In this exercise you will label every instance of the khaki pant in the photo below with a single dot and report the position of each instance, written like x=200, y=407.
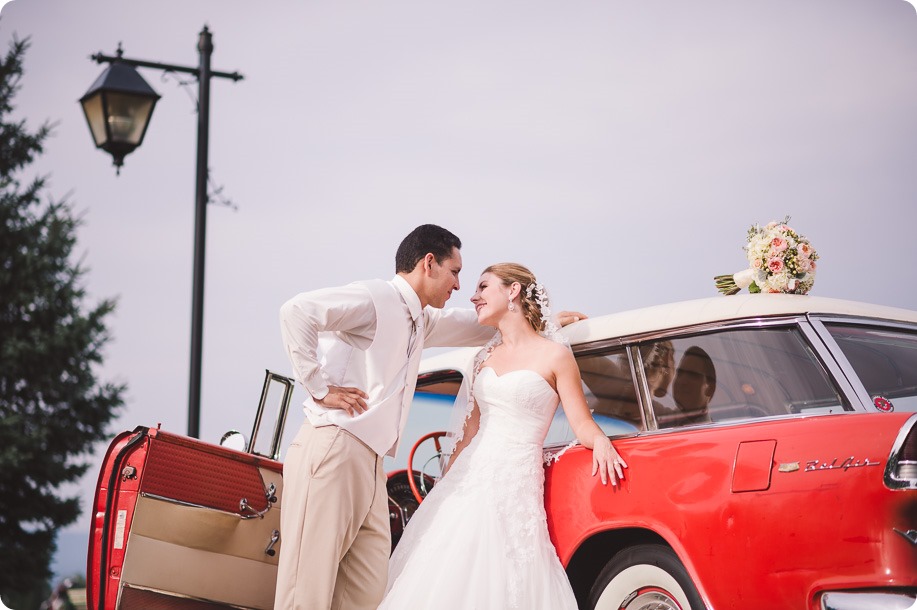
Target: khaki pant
x=334, y=529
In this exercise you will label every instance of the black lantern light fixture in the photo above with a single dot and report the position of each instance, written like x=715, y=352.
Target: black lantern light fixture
x=118, y=107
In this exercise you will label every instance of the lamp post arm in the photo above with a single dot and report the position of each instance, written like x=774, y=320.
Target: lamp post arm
x=141, y=63
x=203, y=74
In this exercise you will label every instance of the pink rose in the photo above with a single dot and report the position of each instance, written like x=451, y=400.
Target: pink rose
x=775, y=265
x=805, y=250
x=778, y=245
x=757, y=264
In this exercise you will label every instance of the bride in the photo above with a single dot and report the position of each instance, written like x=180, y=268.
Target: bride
x=480, y=538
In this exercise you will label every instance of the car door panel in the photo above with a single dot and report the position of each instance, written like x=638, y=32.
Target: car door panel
x=186, y=523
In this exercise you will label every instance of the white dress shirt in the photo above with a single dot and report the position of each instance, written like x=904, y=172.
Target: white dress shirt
x=333, y=336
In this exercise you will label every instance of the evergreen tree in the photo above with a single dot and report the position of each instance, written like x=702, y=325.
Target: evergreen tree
x=52, y=406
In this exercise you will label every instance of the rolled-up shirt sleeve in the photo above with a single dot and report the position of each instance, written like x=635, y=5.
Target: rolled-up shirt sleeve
x=347, y=309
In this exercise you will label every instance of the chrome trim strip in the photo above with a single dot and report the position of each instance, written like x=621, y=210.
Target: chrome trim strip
x=586, y=349
x=280, y=423
x=835, y=363
x=182, y=596
x=910, y=535
x=259, y=412
x=856, y=386
x=842, y=319
x=643, y=390
x=246, y=511
x=144, y=494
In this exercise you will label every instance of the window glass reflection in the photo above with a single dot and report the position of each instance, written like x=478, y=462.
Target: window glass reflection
x=736, y=374
x=885, y=360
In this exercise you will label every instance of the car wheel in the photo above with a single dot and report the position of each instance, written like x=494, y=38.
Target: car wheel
x=644, y=577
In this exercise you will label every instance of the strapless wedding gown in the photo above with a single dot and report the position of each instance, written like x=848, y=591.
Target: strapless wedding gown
x=480, y=538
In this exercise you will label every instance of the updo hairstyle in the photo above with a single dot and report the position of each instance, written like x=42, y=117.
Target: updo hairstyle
x=514, y=272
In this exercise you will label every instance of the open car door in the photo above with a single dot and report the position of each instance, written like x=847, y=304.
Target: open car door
x=179, y=523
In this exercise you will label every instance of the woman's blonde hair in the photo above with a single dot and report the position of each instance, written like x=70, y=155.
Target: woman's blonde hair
x=508, y=273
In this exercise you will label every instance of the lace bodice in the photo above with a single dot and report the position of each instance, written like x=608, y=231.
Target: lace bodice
x=517, y=405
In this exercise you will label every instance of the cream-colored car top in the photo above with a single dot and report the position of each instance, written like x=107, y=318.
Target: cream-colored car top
x=693, y=313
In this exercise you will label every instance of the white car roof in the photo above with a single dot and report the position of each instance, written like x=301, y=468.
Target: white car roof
x=691, y=313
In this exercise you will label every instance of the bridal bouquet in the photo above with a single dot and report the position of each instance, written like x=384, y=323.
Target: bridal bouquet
x=779, y=260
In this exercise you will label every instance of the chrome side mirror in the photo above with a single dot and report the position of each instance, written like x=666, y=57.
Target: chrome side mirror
x=233, y=439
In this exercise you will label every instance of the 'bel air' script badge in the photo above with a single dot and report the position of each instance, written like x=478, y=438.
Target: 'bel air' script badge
x=851, y=462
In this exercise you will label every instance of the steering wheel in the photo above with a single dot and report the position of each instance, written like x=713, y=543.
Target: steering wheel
x=421, y=491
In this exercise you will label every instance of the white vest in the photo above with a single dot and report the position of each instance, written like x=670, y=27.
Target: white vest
x=383, y=371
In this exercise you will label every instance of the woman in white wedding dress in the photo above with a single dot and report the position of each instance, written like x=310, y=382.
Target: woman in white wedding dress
x=480, y=540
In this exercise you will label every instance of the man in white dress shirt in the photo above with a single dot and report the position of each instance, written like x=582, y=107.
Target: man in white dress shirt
x=335, y=537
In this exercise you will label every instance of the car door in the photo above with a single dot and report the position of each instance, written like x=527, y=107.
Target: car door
x=181, y=523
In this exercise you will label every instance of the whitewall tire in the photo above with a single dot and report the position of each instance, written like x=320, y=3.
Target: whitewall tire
x=644, y=577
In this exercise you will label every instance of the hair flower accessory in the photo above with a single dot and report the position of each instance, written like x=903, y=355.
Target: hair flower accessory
x=779, y=260
x=536, y=291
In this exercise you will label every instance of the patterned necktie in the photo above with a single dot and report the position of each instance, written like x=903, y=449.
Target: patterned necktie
x=416, y=329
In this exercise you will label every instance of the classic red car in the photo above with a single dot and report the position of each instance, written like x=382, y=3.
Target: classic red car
x=772, y=445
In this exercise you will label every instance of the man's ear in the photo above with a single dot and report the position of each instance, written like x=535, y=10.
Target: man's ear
x=428, y=261
x=710, y=390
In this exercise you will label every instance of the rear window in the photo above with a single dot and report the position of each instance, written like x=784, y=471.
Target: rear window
x=885, y=360
x=736, y=374
x=727, y=375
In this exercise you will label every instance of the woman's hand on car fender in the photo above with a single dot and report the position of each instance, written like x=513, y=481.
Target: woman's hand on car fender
x=606, y=461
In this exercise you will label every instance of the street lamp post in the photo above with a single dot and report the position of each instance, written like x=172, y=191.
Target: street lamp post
x=118, y=107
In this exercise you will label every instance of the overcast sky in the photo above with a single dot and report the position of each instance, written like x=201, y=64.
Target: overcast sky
x=620, y=149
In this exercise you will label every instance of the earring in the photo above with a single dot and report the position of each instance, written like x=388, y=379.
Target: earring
x=512, y=306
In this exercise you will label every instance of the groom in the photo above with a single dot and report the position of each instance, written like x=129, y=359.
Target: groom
x=334, y=517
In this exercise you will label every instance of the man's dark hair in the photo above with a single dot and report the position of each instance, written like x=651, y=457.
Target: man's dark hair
x=423, y=239
x=706, y=362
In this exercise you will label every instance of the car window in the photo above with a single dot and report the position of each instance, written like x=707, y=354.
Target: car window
x=885, y=360
x=609, y=388
x=610, y=394
x=736, y=374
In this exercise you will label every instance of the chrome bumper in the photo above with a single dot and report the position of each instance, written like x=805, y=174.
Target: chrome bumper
x=868, y=601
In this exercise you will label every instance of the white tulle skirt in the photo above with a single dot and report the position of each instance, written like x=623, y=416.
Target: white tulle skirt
x=480, y=539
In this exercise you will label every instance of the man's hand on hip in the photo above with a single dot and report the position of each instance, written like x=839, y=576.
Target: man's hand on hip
x=351, y=400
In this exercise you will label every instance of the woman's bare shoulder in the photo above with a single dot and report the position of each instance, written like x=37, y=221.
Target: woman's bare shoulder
x=557, y=353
